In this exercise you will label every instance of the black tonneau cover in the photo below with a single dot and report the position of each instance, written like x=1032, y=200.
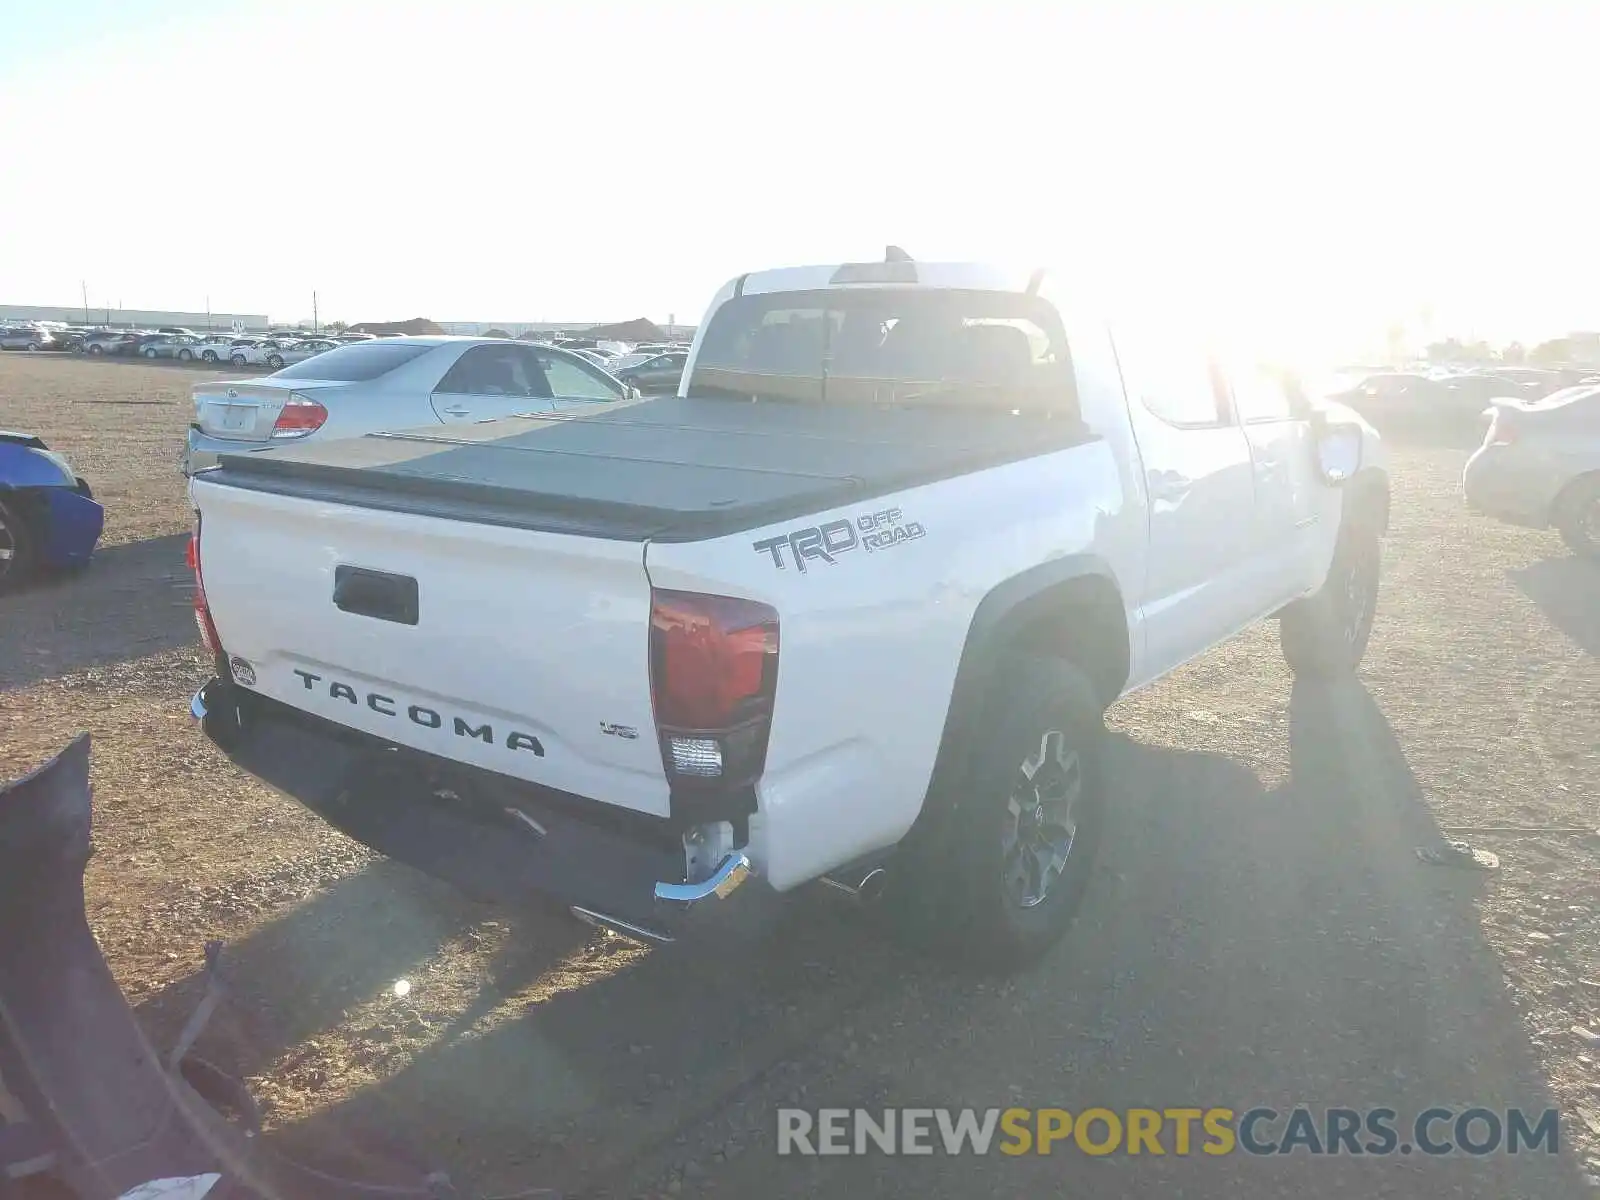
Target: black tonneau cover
x=667, y=469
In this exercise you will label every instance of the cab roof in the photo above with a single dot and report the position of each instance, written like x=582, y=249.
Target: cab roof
x=990, y=277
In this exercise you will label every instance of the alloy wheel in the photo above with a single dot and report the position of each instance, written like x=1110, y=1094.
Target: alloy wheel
x=8, y=547
x=1589, y=521
x=1041, y=822
x=1359, y=598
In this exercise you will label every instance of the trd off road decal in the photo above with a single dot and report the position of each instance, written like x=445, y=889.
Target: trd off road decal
x=824, y=543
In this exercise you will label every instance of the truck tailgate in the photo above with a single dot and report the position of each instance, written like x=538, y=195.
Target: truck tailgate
x=520, y=651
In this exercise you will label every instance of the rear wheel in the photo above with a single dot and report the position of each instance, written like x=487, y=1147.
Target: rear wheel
x=1326, y=633
x=1578, y=516
x=96, y=350
x=274, y=361
x=16, y=547
x=209, y=356
x=149, y=353
x=238, y=360
x=185, y=355
x=33, y=347
x=1014, y=857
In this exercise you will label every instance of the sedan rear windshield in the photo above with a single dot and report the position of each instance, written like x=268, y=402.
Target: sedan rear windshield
x=1005, y=350
x=355, y=363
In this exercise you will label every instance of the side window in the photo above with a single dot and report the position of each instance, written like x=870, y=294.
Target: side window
x=1179, y=384
x=570, y=380
x=1261, y=394
x=493, y=371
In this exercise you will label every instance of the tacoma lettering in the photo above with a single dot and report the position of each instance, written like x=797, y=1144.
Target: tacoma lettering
x=421, y=714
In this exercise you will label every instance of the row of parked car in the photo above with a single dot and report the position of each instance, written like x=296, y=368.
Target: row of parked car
x=1447, y=396
x=175, y=342
x=650, y=367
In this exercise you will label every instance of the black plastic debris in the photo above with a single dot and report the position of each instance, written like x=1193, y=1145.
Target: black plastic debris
x=85, y=1100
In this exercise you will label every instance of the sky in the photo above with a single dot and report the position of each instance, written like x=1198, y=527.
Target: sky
x=1310, y=173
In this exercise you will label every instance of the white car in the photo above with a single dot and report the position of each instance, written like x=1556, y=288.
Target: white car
x=850, y=606
x=388, y=383
x=299, y=351
x=623, y=361
x=268, y=352
x=218, y=347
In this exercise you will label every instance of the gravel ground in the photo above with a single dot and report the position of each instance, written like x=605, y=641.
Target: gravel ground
x=1259, y=930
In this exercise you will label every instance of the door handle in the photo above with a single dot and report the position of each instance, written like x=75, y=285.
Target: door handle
x=458, y=411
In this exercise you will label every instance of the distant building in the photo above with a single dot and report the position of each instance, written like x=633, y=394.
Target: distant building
x=133, y=317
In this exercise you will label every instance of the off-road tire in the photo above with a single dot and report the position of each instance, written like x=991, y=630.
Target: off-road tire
x=1577, y=516
x=17, y=536
x=957, y=892
x=1325, y=634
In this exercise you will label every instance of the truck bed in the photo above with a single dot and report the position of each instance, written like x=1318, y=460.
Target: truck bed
x=664, y=469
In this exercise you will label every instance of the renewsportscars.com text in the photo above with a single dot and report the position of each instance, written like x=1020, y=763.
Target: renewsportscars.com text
x=1162, y=1131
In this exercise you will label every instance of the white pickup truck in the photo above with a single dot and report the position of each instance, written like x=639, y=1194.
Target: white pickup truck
x=850, y=606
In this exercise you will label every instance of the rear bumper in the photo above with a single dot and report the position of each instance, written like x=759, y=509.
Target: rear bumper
x=71, y=524
x=202, y=450
x=1501, y=482
x=606, y=866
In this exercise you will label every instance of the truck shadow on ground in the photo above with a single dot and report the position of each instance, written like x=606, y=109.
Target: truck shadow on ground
x=75, y=621
x=1567, y=590
x=1239, y=946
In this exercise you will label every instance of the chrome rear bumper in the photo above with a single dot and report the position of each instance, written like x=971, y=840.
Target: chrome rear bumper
x=599, y=874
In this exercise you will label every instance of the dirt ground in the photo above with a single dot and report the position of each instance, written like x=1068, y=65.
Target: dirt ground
x=1258, y=930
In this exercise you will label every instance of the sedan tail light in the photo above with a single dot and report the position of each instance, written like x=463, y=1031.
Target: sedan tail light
x=300, y=415
x=1502, y=428
x=713, y=677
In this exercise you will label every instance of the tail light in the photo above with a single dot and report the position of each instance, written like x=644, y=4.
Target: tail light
x=202, y=610
x=299, y=416
x=1502, y=428
x=713, y=676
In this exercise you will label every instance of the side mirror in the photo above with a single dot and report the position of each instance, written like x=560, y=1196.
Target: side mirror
x=1338, y=450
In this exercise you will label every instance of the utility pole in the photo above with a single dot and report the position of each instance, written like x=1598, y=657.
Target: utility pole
x=208, y=314
x=315, y=328
x=84, y=285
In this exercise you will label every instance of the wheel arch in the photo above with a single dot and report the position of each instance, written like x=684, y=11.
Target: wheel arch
x=25, y=502
x=1069, y=607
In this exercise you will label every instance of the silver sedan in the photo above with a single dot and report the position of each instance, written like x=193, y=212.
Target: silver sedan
x=389, y=383
x=1539, y=465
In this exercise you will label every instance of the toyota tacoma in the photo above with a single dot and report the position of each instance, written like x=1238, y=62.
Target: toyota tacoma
x=850, y=606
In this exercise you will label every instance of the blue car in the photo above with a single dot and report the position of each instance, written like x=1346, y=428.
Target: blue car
x=48, y=518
